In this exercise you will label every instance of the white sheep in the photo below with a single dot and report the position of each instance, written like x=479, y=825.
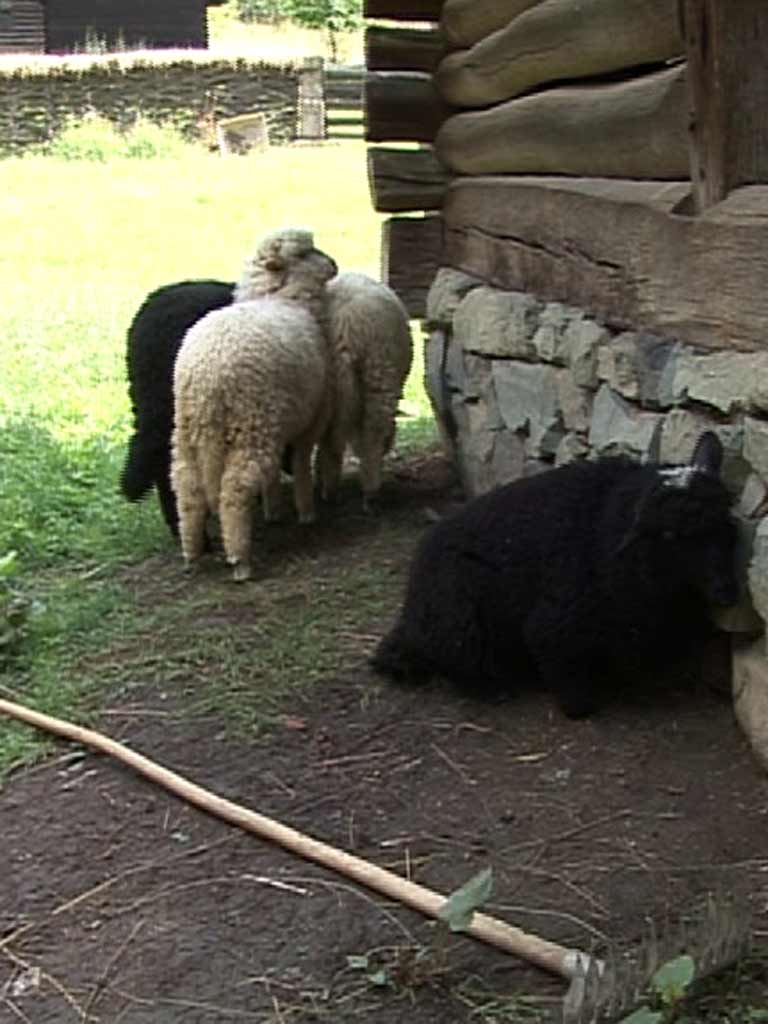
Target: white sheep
x=249, y=379
x=371, y=340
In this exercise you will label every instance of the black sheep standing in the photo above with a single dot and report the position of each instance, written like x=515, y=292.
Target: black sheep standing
x=586, y=570
x=154, y=338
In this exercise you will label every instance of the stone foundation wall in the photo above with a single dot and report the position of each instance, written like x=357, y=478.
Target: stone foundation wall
x=519, y=386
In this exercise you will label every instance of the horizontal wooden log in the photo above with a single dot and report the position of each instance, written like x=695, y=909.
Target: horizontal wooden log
x=558, y=39
x=465, y=21
x=402, y=49
x=633, y=129
x=403, y=10
x=402, y=106
x=411, y=252
x=620, y=250
x=405, y=179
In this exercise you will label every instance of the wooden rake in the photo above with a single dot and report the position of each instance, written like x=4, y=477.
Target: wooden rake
x=594, y=989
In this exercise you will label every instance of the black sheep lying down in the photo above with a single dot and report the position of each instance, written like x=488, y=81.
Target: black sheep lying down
x=588, y=571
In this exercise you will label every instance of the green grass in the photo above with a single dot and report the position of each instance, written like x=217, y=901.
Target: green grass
x=83, y=243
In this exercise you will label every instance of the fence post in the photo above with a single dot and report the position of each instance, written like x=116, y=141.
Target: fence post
x=311, y=114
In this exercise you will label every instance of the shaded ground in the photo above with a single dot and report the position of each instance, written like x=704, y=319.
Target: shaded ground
x=118, y=903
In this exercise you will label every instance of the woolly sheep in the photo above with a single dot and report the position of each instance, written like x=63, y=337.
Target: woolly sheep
x=154, y=338
x=371, y=337
x=587, y=571
x=249, y=379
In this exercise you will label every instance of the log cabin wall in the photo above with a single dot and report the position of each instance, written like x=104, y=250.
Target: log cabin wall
x=592, y=220
x=22, y=27
x=72, y=24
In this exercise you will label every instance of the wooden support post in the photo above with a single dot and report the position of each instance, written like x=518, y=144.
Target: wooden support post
x=311, y=119
x=726, y=45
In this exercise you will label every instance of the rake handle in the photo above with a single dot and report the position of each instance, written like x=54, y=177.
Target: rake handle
x=549, y=955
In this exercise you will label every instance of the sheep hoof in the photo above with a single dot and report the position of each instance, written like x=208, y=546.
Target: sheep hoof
x=371, y=504
x=190, y=567
x=307, y=519
x=241, y=572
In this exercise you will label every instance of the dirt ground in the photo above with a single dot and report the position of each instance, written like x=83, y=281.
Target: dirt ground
x=119, y=903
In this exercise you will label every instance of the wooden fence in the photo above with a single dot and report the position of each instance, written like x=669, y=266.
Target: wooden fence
x=330, y=101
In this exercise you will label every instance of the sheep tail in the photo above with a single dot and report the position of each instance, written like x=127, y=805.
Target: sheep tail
x=137, y=477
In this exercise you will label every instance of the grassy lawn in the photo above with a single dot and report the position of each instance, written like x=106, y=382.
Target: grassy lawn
x=83, y=244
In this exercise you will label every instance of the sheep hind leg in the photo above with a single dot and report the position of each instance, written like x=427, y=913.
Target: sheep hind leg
x=330, y=458
x=374, y=442
x=303, y=486
x=240, y=483
x=192, y=512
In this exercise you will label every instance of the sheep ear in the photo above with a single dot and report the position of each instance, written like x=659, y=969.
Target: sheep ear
x=708, y=454
x=653, y=455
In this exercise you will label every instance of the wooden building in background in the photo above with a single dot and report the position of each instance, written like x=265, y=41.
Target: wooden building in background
x=22, y=26
x=70, y=26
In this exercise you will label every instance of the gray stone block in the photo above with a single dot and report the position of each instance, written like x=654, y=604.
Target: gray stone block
x=634, y=365
x=446, y=292
x=753, y=500
x=758, y=569
x=571, y=448
x=619, y=427
x=497, y=323
x=756, y=445
x=583, y=339
x=551, y=340
x=575, y=402
x=750, y=693
x=724, y=380
x=529, y=404
x=486, y=455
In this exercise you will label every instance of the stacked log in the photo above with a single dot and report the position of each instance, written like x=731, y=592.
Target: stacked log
x=403, y=107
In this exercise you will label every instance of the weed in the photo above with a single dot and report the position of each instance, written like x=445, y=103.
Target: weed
x=94, y=137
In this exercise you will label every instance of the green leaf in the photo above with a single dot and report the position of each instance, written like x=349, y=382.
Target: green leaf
x=643, y=1016
x=8, y=563
x=458, y=910
x=380, y=978
x=673, y=978
x=357, y=963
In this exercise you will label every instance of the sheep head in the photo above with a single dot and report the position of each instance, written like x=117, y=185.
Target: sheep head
x=684, y=518
x=283, y=258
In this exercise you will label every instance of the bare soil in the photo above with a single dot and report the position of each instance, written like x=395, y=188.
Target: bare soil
x=119, y=903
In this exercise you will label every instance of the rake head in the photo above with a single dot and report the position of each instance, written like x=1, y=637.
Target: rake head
x=714, y=934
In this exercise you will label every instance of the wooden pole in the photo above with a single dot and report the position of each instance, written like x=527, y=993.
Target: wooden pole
x=727, y=48
x=568, y=963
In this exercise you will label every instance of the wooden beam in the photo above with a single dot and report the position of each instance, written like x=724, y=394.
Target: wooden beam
x=401, y=106
x=411, y=252
x=403, y=10
x=402, y=49
x=559, y=39
x=727, y=48
x=405, y=179
x=620, y=250
x=465, y=21
x=632, y=129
